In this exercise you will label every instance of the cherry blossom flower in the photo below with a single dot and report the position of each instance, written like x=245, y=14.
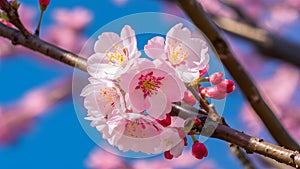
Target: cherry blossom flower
x=103, y=98
x=113, y=54
x=152, y=87
x=187, y=55
x=136, y=132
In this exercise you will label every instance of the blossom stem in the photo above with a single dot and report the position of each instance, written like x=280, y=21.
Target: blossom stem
x=37, y=31
x=195, y=11
x=196, y=94
x=223, y=132
x=194, y=138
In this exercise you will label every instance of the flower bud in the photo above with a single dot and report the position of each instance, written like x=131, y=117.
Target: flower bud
x=199, y=150
x=168, y=155
x=197, y=121
x=226, y=85
x=44, y=4
x=216, y=78
x=213, y=92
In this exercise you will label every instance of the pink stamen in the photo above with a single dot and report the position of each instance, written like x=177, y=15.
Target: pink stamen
x=149, y=84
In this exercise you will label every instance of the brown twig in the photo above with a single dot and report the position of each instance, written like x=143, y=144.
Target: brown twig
x=223, y=132
x=195, y=11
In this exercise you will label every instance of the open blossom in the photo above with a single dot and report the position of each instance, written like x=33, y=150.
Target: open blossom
x=152, y=87
x=113, y=54
x=137, y=132
x=103, y=98
x=187, y=55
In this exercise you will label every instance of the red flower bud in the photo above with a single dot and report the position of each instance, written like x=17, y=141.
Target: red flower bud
x=213, y=92
x=168, y=155
x=197, y=122
x=165, y=122
x=226, y=85
x=216, y=78
x=199, y=150
x=44, y=4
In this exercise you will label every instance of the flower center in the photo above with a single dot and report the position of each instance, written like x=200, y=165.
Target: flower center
x=149, y=84
x=108, y=95
x=176, y=53
x=140, y=128
x=117, y=56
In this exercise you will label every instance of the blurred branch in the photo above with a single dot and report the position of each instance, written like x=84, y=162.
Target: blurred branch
x=270, y=44
x=246, y=162
x=204, y=23
x=223, y=132
x=239, y=12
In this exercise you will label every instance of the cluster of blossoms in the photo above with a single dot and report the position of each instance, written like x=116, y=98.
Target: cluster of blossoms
x=129, y=98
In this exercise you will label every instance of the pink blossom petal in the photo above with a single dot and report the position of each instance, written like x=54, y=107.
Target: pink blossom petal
x=155, y=47
x=106, y=41
x=189, y=98
x=129, y=39
x=157, y=105
x=138, y=102
x=177, y=150
x=169, y=86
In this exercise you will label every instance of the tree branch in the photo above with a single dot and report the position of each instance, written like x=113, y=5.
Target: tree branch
x=201, y=20
x=38, y=45
x=223, y=132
